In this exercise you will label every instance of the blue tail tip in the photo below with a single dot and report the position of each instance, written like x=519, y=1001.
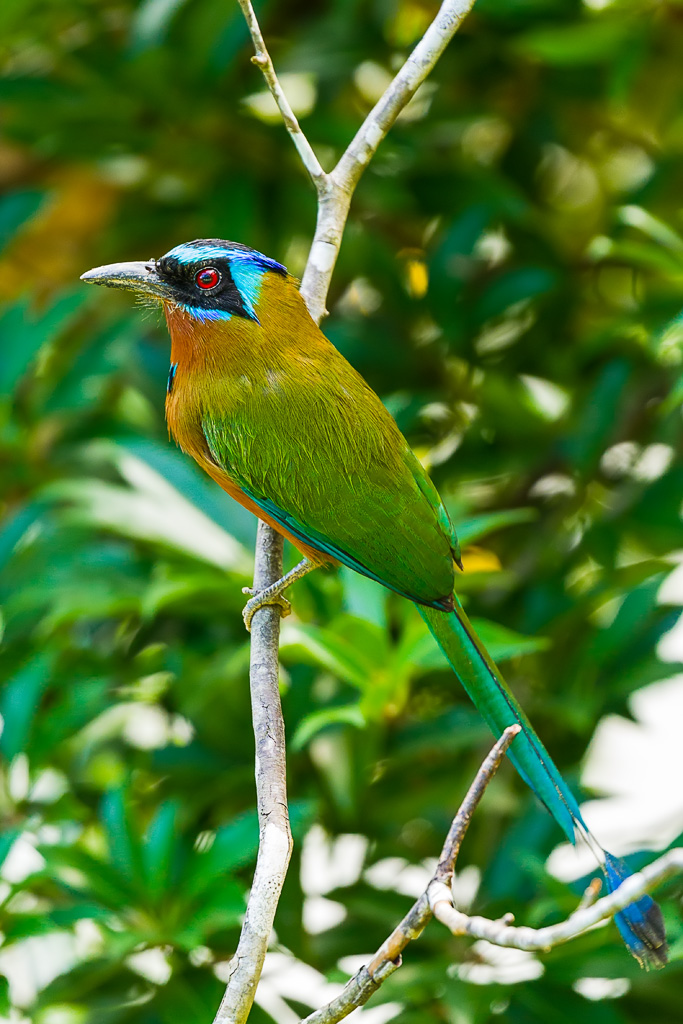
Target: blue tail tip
x=640, y=924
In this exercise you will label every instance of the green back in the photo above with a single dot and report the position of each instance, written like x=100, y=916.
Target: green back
x=318, y=451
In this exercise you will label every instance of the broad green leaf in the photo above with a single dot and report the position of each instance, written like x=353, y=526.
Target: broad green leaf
x=24, y=332
x=325, y=648
x=474, y=528
x=125, y=848
x=584, y=42
x=348, y=714
x=80, y=872
x=20, y=702
x=159, y=845
x=15, y=208
x=151, y=21
x=421, y=650
x=232, y=846
x=150, y=510
x=504, y=644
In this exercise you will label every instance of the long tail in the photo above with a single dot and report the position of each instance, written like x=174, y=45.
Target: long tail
x=640, y=924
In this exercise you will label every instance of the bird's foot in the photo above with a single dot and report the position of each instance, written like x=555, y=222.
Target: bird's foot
x=261, y=598
x=273, y=593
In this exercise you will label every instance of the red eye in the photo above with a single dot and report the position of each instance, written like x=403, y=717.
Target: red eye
x=208, y=277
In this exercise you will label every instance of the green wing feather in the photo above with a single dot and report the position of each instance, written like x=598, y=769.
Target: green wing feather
x=314, y=539
x=347, y=485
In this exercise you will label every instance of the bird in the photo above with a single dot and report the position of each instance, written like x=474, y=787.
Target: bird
x=277, y=416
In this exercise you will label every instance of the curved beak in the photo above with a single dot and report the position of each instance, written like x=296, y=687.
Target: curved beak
x=137, y=277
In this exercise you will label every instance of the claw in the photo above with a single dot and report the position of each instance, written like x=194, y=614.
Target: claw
x=273, y=593
x=259, y=600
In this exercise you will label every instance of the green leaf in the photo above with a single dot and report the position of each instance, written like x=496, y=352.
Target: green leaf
x=5, y=1005
x=328, y=650
x=15, y=209
x=15, y=526
x=24, y=333
x=503, y=643
x=420, y=649
x=512, y=287
x=20, y=702
x=151, y=21
x=151, y=509
x=158, y=849
x=585, y=42
x=125, y=847
x=348, y=714
x=79, y=871
x=233, y=846
x=476, y=527
x=221, y=906
x=7, y=837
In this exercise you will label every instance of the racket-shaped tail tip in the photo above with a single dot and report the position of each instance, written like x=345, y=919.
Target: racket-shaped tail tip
x=640, y=924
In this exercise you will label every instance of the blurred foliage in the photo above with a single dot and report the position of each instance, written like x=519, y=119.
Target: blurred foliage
x=510, y=283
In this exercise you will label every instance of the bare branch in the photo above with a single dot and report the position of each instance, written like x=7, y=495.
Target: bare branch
x=333, y=205
x=275, y=840
x=387, y=959
x=402, y=89
x=461, y=822
x=584, y=918
x=262, y=60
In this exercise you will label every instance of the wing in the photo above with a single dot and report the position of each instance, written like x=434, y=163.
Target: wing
x=329, y=464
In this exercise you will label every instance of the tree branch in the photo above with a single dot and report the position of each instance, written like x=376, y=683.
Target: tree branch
x=402, y=89
x=336, y=189
x=585, y=917
x=262, y=60
x=275, y=839
x=437, y=901
x=334, y=201
x=387, y=959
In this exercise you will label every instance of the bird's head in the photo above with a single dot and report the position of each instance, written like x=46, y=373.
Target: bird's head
x=208, y=279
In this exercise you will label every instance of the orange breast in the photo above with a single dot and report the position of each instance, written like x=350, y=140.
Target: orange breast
x=184, y=417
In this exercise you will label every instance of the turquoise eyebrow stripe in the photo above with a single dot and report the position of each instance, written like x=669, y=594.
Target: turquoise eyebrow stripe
x=191, y=253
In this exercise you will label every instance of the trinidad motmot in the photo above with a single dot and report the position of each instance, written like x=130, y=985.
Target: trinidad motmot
x=271, y=410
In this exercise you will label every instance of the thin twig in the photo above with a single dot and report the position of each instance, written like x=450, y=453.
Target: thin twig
x=584, y=918
x=461, y=822
x=334, y=203
x=262, y=60
x=275, y=840
x=401, y=90
x=387, y=959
